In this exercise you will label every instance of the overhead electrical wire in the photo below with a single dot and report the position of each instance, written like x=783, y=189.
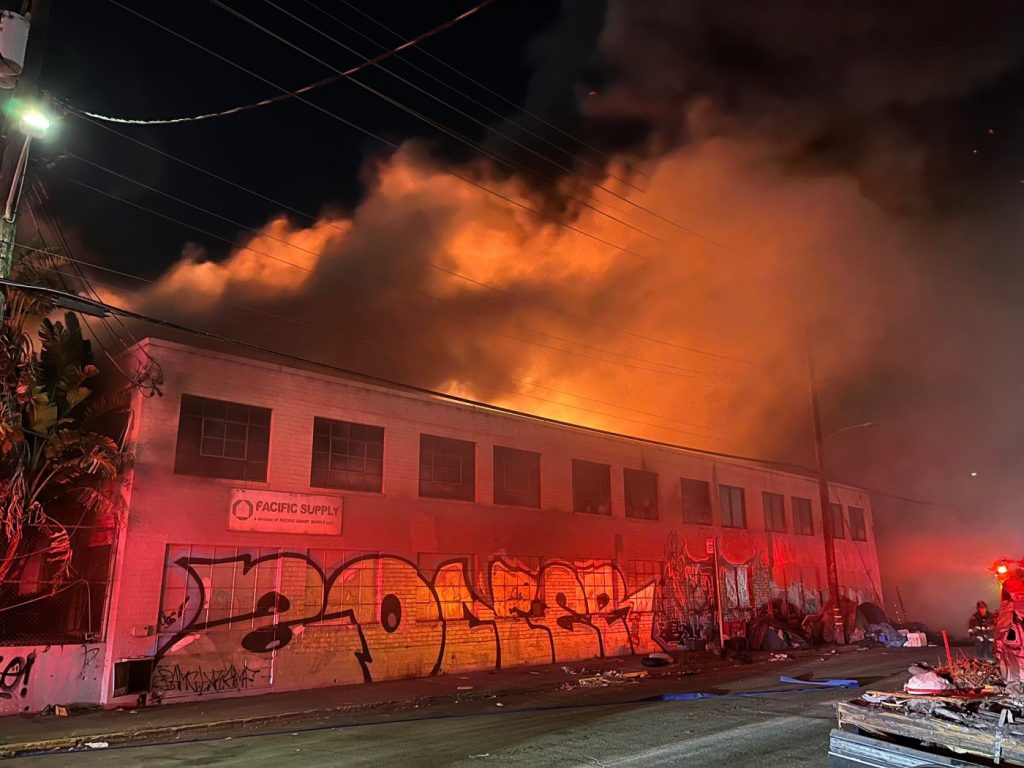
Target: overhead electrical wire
x=482, y=86
x=304, y=89
x=583, y=160
x=365, y=131
x=490, y=128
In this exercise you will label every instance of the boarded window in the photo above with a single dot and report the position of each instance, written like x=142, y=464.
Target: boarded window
x=222, y=439
x=838, y=529
x=774, y=511
x=347, y=456
x=447, y=468
x=696, y=501
x=858, y=529
x=803, y=522
x=591, y=487
x=641, y=494
x=734, y=507
x=516, y=477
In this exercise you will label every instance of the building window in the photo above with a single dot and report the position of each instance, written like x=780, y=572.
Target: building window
x=447, y=468
x=641, y=494
x=774, y=511
x=734, y=508
x=221, y=439
x=347, y=456
x=516, y=477
x=591, y=487
x=696, y=501
x=858, y=530
x=838, y=531
x=803, y=522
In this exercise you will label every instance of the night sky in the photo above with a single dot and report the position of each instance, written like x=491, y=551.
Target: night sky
x=871, y=156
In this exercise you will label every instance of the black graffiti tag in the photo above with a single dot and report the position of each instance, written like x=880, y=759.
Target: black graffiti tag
x=200, y=680
x=14, y=677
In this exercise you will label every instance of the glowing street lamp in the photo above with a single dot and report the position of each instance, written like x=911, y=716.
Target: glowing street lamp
x=35, y=123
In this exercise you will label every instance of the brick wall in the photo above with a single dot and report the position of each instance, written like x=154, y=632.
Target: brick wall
x=453, y=618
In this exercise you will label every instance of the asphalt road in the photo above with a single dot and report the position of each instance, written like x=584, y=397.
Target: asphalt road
x=580, y=727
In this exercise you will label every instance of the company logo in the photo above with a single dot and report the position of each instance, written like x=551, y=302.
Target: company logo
x=242, y=509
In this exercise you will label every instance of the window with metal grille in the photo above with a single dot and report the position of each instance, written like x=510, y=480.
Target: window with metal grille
x=447, y=468
x=696, y=501
x=858, y=529
x=838, y=530
x=591, y=487
x=734, y=507
x=803, y=521
x=347, y=456
x=222, y=439
x=516, y=477
x=774, y=511
x=641, y=494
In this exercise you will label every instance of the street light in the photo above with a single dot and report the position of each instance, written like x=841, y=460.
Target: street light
x=35, y=123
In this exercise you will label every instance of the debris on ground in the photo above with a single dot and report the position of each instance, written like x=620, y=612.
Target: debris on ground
x=97, y=744
x=609, y=677
x=779, y=657
x=657, y=660
x=464, y=688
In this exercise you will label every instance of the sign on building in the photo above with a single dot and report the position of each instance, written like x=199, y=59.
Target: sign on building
x=274, y=512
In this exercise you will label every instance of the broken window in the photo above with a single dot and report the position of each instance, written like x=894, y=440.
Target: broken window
x=858, y=529
x=641, y=494
x=516, y=477
x=222, y=439
x=591, y=487
x=774, y=511
x=734, y=508
x=347, y=456
x=803, y=522
x=447, y=468
x=696, y=501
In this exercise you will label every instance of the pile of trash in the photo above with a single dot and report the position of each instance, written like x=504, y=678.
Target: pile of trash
x=960, y=676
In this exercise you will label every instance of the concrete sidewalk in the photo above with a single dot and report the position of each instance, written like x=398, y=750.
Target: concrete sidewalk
x=25, y=734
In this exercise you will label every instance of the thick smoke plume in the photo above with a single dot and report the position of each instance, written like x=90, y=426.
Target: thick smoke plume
x=793, y=137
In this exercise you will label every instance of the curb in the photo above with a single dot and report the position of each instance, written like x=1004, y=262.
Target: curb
x=164, y=732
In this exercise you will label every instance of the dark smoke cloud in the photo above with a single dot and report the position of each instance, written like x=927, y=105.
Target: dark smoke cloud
x=812, y=137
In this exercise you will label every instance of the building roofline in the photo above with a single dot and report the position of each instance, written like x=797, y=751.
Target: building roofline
x=331, y=373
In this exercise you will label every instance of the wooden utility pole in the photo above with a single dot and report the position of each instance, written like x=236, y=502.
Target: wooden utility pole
x=827, y=534
x=15, y=153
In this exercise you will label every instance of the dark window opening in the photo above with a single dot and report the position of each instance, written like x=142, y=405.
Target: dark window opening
x=696, y=501
x=132, y=676
x=774, y=511
x=516, y=477
x=222, y=439
x=591, y=487
x=734, y=507
x=858, y=528
x=447, y=468
x=803, y=521
x=838, y=530
x=641, y=494
x=347, y=456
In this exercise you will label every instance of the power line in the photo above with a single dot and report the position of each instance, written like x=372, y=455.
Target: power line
x=469, y=98
x=502, y=159
x=484, y=87
x=305, y=89
x=386, y=142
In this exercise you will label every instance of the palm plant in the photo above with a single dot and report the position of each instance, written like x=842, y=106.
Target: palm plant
x=61, y=464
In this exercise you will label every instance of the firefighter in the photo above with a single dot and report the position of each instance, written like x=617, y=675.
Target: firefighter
x=981, y=628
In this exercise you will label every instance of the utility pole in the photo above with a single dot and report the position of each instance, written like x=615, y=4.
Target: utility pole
x=15, y=153
x=838, y=630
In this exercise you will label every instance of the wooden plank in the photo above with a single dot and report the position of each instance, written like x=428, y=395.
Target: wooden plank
x=932, y=730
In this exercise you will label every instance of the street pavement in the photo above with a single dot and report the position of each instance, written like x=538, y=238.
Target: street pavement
x=618, y=725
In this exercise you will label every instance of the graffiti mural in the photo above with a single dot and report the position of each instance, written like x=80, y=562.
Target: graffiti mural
x=243, y=619
x=32, y=677
x=14, y=675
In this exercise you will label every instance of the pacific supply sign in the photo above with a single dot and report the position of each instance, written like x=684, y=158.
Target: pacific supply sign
x=274, y=512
